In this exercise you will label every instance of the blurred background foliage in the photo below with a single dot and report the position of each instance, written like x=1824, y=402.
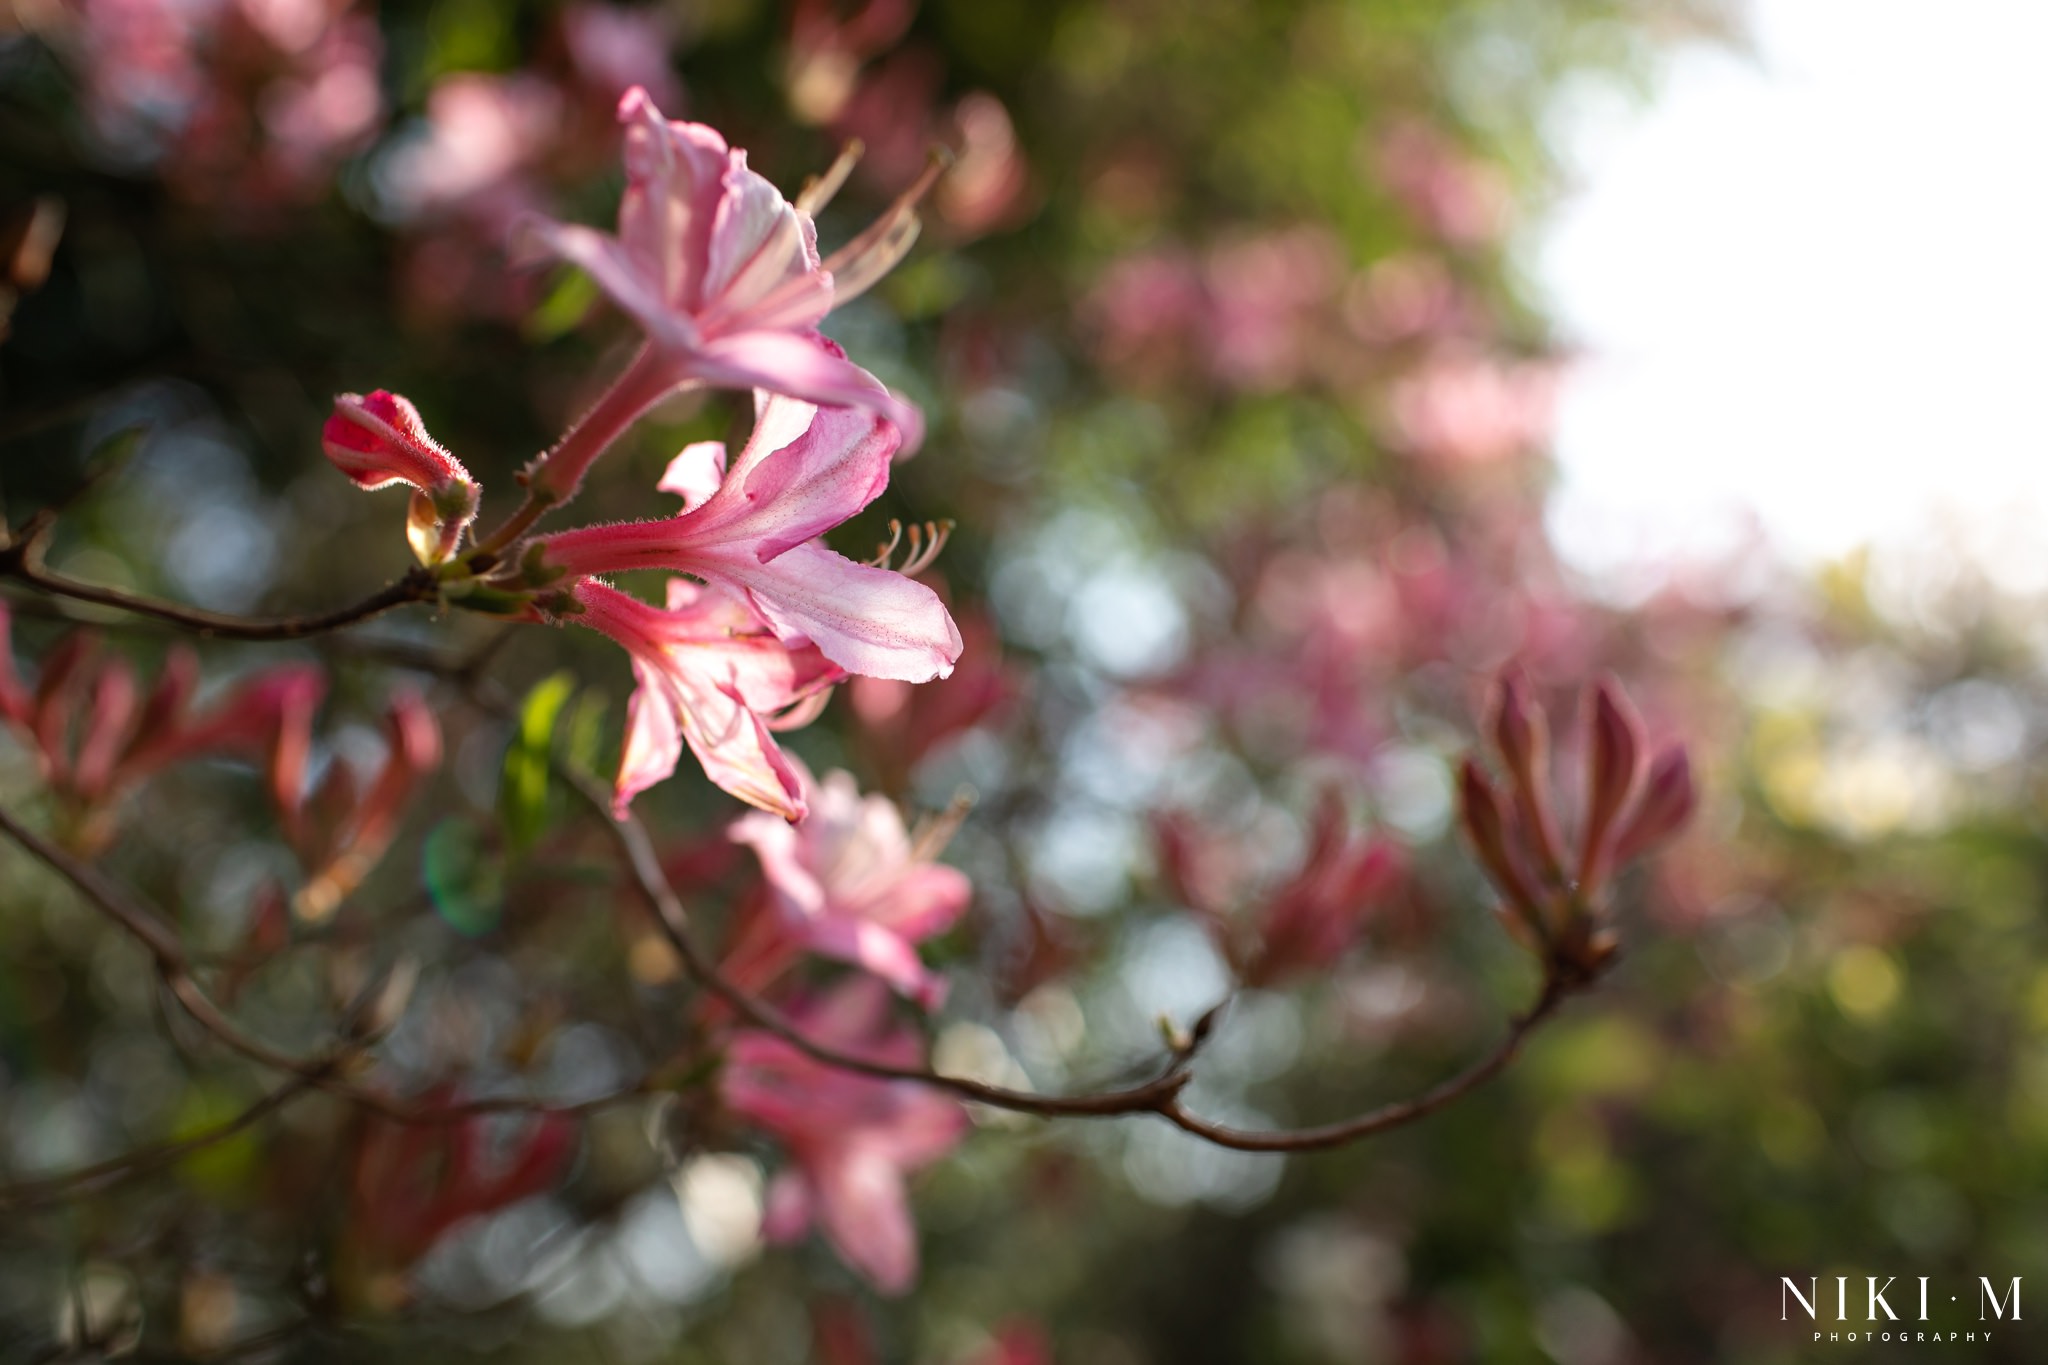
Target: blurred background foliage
x=1239, y=402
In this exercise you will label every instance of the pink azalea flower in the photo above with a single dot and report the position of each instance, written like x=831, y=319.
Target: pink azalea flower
x=851, y=1139
x=712, y=676
x=754, y=532
x=724, y=275
x=377, y=440
x=849, y=883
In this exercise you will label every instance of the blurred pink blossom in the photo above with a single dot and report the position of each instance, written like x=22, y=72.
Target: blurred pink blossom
x=1461, y=407
x=1254, y=313
x=613, y=48
x=410, y=1184
x=1411, y=296
x=851, y=1140
x=1265, y=293
x=990, y=183
x=481, y=132
x=243, y=101
x=91, y=757
x=849, y=883
x=1454, y=195
x=1299, y=926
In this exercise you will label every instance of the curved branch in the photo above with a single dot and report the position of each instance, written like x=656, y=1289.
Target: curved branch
x=1150, y=1096
x=21, y=559
x=1396, y=1115
x=30, y=1193
x=325, y=1071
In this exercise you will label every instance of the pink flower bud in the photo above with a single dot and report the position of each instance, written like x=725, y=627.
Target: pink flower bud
x=378, y=440
x=1614, y=748
x=1485, y=818
x=1523, y=737
x=1667, y=803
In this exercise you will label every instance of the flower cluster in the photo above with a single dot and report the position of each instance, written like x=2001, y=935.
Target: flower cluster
x=761, y=619
x=759, y=622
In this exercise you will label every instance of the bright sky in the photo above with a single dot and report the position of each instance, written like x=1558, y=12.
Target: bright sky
x=1813, y=281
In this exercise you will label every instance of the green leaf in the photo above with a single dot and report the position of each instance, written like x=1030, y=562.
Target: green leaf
x=523, y=784
x=585, y=735
x=568, y=302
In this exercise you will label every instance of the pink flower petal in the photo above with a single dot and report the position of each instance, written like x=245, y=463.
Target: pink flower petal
x=865, y=1213
x=695, y=473
x=866, y=620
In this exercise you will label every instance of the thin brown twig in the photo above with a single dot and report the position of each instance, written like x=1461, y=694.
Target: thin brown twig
x=416, y=586
x=1160, y=1095
x=326, y=1071
x=45, y=1189
x=653, y=884
x=21, y=558
x=1386, y=1117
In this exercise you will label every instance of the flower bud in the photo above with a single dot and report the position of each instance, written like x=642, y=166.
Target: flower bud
x=1667, y=803
x=1523, y=737
x=1614, y=747
x=1485, y=818
x=377, y=440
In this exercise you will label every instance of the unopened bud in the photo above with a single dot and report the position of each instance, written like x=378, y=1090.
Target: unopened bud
x=1614, y=747
x=1523, y=737
x=378, y=439
x=1667, y=803
x=1485, y=818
